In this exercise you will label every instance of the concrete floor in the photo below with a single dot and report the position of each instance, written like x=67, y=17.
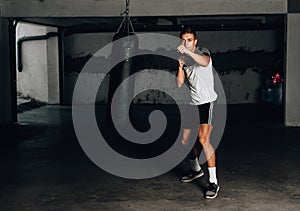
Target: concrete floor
x=44, y=168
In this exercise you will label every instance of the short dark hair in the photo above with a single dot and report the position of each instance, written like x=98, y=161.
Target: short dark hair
x=188, y=30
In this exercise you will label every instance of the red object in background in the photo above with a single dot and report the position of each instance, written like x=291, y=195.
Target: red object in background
x=277, y=78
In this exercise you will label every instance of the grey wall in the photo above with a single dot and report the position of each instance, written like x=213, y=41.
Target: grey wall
x=241, y=59
x=39, y=78
x=292, y=104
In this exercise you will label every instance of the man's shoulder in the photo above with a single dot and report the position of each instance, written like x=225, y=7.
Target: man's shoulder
x=203, y=51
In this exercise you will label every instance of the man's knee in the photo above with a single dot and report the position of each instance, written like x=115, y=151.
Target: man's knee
x=204, y=134
x=203, y=139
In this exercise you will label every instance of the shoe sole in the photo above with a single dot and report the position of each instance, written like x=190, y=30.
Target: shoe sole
x=214, y=196
x=190, y=180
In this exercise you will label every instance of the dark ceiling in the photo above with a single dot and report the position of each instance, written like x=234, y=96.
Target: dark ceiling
x=163, y=23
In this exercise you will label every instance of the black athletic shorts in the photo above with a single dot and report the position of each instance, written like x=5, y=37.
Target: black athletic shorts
x=205, y=115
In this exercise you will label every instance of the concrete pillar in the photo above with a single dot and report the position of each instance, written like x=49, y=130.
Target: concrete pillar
x=292, y=78
x=7, y=115
x=52, y=68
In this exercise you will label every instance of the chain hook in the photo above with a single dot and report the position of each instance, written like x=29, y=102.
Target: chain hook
x=126, y=20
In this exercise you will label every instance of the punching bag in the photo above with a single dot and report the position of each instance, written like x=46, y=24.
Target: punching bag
x=125, y=46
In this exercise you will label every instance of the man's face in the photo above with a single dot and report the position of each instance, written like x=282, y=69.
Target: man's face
x=189, y=41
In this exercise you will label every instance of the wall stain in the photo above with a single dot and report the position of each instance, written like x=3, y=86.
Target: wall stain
x=242, y=59
x=239, y=60
x=247, y=96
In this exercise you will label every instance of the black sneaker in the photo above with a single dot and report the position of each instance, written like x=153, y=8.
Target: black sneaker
x=192, y=175
x=212, y=191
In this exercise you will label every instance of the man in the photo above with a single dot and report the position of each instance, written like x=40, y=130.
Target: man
x=199, y=76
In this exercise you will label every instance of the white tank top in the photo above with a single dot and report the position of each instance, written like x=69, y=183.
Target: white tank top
x=201, y=81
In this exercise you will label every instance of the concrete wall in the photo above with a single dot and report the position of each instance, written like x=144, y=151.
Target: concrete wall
x=6, y=95
x=76, y=54
x=72, y=8
x=39, y=78
x=292, y=103
x=240, y=58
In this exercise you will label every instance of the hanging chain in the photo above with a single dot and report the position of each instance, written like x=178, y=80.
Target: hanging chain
x=126, y=19
x=127, y=7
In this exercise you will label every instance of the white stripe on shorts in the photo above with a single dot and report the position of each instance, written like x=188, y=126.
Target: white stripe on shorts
x=211, y=106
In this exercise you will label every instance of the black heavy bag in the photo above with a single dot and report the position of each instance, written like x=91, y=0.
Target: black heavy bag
x=125, y=47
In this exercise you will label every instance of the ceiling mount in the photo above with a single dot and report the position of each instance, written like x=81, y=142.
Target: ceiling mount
x=126, y=23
